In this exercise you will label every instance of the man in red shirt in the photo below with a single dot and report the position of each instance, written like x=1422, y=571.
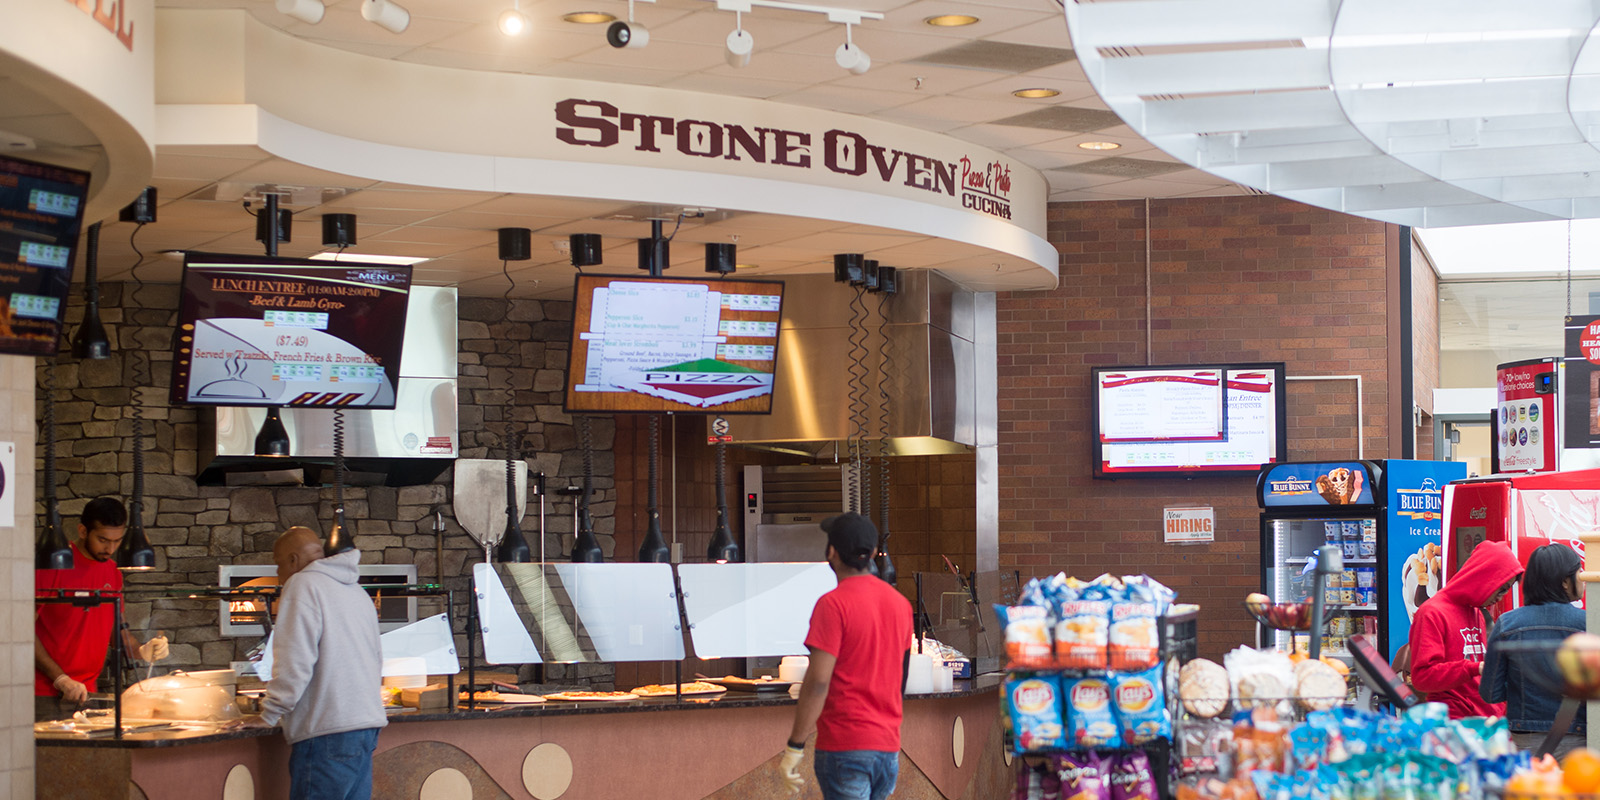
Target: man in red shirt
x=860, y=639
x=70, y=642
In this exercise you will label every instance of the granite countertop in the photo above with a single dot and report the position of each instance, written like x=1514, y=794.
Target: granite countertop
x=191, y=735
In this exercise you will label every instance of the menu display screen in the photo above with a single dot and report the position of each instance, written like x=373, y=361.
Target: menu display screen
x=1165, y=404
x=1254, y=425
x=289, y=332
x=41, y=216
x=687, y=346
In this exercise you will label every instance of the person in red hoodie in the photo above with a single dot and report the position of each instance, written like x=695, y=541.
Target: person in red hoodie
x=1448, y=636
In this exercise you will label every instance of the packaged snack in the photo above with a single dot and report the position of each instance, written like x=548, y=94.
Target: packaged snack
x=1259, y=678
x=1141, y=706
x=1132, y=778
x=1332, y=532
x=1083, y=775
x=1090, y=717
x=1206, y=748
x=1027, y=635
x=1318, y=686
x=1034, y=705
x=1133, y=639
x=1083, y=620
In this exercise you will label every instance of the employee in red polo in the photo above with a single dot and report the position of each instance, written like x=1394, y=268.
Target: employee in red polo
x=859, y=640
x=70, y=642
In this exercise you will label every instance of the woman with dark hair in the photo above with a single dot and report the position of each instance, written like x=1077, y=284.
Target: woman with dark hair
x=1528, y=682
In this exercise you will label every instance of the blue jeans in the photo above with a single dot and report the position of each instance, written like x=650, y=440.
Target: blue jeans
x=337, y=766
x=856, y=774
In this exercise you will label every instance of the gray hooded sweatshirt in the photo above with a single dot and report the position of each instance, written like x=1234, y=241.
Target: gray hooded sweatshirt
x=327, y=673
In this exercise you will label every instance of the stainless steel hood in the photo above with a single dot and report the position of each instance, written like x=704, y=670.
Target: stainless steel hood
x=927, y=329
x=413, y=443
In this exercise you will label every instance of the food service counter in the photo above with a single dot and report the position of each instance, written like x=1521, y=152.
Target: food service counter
x=724, y=747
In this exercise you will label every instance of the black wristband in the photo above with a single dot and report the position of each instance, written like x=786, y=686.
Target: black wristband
x=800, y=746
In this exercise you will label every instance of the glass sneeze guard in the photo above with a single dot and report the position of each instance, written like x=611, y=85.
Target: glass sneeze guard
x=752, y=610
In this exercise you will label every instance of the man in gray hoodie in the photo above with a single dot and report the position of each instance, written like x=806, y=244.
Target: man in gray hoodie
x=327, y=673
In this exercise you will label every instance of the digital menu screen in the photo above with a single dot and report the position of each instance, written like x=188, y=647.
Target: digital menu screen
x=1161, y=404
x=41, y=216
x=1255, y=432
x=289, y=332
x=685, y=346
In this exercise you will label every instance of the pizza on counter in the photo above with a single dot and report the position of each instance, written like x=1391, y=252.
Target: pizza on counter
x=695, y=687
x=592, y=696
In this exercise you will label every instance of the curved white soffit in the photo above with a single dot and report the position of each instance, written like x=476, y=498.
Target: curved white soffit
x=1424, y=113
x=100, y=71
x=469, y=172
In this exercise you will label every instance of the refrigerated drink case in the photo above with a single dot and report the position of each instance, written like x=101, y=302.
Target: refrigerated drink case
x=1381, y=515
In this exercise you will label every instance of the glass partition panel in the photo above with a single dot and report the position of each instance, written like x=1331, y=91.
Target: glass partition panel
x=505, y=637
x=960, y=610
x=426, y=643
x=739, y=610
x=590, y=612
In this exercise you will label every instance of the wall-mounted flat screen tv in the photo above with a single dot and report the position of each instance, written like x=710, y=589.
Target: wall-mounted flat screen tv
x=1255, y=427
x=684, y=346
x=255, y=331
x=41, y=216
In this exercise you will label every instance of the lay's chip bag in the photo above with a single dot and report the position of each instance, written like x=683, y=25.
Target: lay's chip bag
x=1034, y=704
x=1083, y=621
x=1090, y=718
x=1141, y=706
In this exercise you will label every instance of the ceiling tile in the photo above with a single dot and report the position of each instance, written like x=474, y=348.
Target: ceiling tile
x=200, y=167
x=998, y=56
x=1064, y=118
x=1125, y=167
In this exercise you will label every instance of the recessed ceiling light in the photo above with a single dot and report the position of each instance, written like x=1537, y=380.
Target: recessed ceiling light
x=1035, y=93
x=951, y=20
x=368, y=258
x=1098, y=145
x=589, y=17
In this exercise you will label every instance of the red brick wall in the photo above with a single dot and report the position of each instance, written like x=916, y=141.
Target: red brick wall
x=1232, y=279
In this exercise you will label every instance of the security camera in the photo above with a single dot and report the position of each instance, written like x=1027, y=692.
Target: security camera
x=627, y=34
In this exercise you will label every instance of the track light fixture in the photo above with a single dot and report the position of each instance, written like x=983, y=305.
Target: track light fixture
x=511, y=21
x=143, y=208
x=740, y=43
x=386, y=14
x=621, y=34
x=307, y=11
x=285, y=221
x=851, y=57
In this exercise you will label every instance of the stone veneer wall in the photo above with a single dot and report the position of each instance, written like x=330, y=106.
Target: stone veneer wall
x=16, y=598
x=197, y=528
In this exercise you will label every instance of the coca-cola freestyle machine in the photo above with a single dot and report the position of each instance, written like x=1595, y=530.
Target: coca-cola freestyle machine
x=1524, y=511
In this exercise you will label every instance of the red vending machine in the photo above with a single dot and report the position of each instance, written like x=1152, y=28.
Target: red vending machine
x=1525, y=511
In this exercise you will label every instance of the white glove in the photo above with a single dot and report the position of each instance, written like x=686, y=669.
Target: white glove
x=789, y=767
x=71, y=690
x=154, y=650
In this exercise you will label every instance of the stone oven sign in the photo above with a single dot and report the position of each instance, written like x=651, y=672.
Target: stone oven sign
x=978, y=182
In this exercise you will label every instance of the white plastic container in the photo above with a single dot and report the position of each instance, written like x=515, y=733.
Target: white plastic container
x=793, y=668
x=919, y=674
x=943, y=678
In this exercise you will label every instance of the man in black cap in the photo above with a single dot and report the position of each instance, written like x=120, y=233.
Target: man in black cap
x=860, y=640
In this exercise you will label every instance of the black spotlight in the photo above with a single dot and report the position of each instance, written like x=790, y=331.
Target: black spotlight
x=888, y=280
x=143, y=208
x=849, y=268
x=721, y=257
x=285, y=219
x=869, y=275
x=585, y=249
x=655, y=255
x=338, y=230
x=516, y=244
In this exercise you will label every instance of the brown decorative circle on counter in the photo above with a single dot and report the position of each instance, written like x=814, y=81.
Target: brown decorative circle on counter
x=446, y=784
x=547, y=771
x=958, y=741
x=240, y=784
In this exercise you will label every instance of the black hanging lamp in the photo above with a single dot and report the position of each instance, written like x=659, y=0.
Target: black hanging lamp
x=585, y=547
x=273, y=439
x=50, y=547
x=513, y=548
x=654, y=549
x=723, y=549
x=135, y=552
x=91, y=341
x=340, y=539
